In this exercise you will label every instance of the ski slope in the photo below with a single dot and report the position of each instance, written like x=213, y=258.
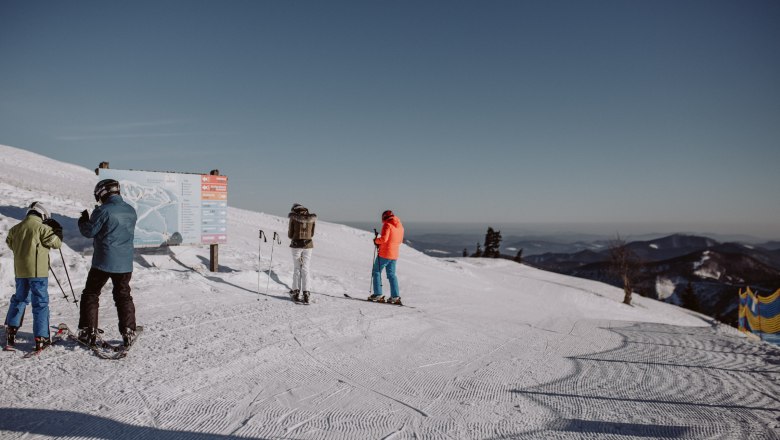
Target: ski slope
x=488, y=349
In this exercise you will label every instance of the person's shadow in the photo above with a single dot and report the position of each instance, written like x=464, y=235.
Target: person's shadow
x=70, y=424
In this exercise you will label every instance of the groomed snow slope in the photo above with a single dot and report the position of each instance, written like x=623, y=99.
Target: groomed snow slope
x=490, y=349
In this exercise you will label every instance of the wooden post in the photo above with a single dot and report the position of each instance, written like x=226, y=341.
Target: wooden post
x=214, y=248
x=102, y=166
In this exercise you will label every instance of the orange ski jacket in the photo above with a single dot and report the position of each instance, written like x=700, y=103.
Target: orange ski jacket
x=391, y=238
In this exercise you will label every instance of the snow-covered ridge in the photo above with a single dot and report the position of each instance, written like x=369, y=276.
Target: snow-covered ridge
x=486, y=348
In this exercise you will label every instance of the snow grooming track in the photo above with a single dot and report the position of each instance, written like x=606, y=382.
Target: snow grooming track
x=357, y=385
x=616, y=391
x=493, y=349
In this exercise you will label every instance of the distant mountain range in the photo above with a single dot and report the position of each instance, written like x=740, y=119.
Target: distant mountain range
x=715, y=271
x=452, y=245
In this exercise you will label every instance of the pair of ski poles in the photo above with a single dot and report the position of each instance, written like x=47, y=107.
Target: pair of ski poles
x=371, y=279
x=64, y=295
x=262, y=239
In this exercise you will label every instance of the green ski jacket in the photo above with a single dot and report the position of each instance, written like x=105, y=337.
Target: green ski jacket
x=30, y=240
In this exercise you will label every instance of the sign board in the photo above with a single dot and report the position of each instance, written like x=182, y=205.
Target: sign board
x=174, y=208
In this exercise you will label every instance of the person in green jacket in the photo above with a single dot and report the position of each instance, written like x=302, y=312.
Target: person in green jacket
x=30, y=241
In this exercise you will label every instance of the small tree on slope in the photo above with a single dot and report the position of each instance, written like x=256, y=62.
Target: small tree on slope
x=624, y=264
x=492, y=243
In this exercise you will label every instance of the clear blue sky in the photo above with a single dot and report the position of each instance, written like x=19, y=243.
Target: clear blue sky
x=662, y=112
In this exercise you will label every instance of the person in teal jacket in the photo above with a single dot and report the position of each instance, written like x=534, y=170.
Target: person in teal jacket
x=112, y=228
x=30, y=241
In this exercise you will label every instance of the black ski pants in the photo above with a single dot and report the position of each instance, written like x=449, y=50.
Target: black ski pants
x=90, y=299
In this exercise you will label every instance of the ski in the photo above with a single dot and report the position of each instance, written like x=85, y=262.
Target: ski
x=9, y=348
x=101, y=349
x=35, y=353
x=122, y=351
x=58, y=336
x=380, y=300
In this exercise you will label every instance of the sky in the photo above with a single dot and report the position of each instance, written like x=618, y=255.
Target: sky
x=663, y=113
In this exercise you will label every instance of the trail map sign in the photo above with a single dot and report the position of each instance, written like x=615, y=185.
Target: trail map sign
x=174, y=208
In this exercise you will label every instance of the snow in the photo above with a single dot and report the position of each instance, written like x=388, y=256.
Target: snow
x=706, y=267
x=487, y=348
x=665, y=287
x=654, y=246
x=705, y=257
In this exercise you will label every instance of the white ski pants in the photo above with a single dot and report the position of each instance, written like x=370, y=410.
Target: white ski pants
x=301, y=259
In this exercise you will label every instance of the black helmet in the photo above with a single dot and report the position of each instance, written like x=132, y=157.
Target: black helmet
x=106, y=187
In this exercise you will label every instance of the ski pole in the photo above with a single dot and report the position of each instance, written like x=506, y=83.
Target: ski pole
x=260, y=257
x=64, y=295
x=274, y=240
x=75, y=301
x=300, y=273
x=373, y=264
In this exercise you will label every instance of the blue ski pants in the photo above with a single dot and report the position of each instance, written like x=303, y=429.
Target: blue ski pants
x=38, y=290
x=389, y=266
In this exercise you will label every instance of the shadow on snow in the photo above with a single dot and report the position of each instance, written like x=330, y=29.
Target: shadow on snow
x=59, y=424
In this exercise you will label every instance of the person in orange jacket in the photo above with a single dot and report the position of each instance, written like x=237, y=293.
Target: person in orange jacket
x=388, y=243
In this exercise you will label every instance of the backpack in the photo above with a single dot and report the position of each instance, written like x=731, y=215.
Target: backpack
x=303, y=226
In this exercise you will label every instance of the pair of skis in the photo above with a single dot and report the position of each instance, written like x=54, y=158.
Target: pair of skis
x=379, y=299
x=101, y=348
x=300, y=300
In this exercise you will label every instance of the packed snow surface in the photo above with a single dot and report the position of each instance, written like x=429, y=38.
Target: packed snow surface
x=485, y=348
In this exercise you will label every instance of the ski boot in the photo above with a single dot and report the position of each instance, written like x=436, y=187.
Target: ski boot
x=87, y=336
x=395, y=300
x=128, y=337
x=295, y=295
x=376, y=298
x=41, y=342
x=306, y=297
x=10, y=338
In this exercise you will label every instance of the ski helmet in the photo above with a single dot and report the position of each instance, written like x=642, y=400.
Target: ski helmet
x=106, y=187
x=387, y=215
x=38, y=208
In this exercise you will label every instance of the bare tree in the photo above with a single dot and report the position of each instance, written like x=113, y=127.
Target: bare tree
x=624, y=264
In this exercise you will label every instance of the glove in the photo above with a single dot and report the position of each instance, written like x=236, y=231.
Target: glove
x=84, y=216
x=55, y=226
